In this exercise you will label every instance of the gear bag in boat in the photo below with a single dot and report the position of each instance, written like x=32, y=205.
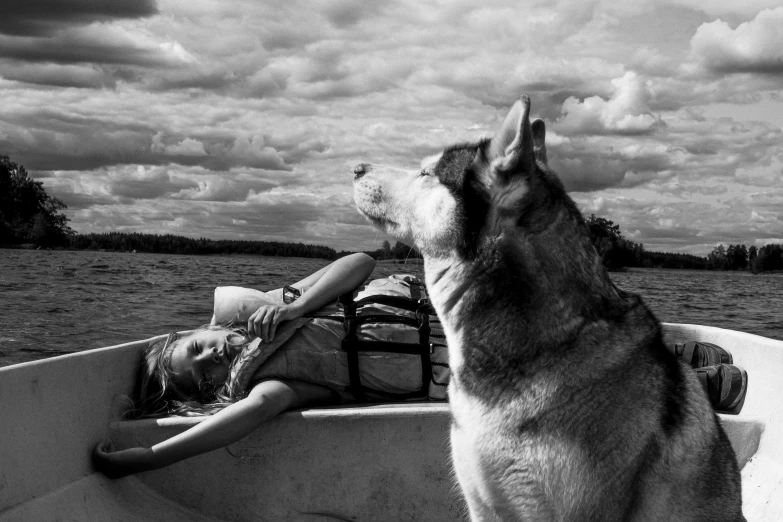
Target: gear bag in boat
x=374, y=343
x=374, y=319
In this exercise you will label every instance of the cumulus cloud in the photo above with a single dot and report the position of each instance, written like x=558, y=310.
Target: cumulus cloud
x=767, y=173
x=115, y=185
x=250, y=151
x=186, y=147
x=626, y=112
x=231, y=187
x=604, y=148
x=127, y=184
x=652, y=62
x=752, y=47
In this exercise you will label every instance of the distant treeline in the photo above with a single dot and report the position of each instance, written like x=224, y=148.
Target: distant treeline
x=734, y=257
x=171, y=244
x=399, y=251
x=738, y=257
x=672, y=260
x=619, y=253
x=29, y=215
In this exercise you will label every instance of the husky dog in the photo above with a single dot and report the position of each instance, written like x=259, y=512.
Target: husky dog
x=566, y=405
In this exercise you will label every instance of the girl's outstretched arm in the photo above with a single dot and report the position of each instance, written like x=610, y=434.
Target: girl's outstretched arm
x=325, y=286
x=333, y=280
x=265, y=401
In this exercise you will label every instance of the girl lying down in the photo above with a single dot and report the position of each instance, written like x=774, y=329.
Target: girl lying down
x=205, y=372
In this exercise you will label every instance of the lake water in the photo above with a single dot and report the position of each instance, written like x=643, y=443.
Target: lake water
x=57, y=302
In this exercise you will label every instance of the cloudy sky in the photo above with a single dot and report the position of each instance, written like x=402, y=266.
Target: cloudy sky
x=244, y=118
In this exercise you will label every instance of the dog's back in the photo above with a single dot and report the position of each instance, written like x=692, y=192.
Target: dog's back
x=566, y=404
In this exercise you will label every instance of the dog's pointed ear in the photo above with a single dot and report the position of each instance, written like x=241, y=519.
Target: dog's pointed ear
x=511, y=150
x=539, y=140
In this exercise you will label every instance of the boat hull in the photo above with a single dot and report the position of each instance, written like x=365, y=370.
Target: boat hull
x=383, y=462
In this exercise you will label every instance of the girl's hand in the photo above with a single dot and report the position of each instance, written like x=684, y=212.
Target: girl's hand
x=264, y=321
x=118, y=464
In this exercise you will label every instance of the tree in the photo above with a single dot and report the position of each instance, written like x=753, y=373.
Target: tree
x=737, y=257
x=386, y=252
x=27, y=212
x=770, y=257
x=717, y=259
x=603, y=228
x=674, y=260
x=752, y=254
x=615, y=251
x=402, y=251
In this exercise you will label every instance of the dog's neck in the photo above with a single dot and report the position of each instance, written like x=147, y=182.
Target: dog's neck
x=553, y=271
x=525, y=292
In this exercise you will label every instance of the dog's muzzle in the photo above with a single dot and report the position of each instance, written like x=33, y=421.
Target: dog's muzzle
x=360, y=170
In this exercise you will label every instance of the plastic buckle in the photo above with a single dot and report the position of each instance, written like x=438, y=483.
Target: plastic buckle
x=290, y=294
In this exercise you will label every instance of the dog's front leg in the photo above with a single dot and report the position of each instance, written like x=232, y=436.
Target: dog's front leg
x=493, y=492
x=469, y=472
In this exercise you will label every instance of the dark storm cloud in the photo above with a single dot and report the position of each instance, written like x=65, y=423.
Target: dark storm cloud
x=95, y=44
x=38, y=36
x=44, y=17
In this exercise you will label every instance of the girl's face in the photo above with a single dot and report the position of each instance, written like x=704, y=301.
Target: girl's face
x=203, y=359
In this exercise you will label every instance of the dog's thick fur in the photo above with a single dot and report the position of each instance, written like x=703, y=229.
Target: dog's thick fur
x=566, y=404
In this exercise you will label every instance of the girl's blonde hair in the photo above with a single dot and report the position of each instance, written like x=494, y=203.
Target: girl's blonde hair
x=157, y=393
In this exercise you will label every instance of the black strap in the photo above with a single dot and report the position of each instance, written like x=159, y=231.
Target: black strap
x=402, y=303
x=436, y=383
x=348, y=344
x=352, y=345
x=424, y=347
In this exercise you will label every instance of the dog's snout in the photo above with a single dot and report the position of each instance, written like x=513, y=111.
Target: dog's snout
x=361, y=169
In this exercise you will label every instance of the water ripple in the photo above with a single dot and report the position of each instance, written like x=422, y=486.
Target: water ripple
x=61, y=302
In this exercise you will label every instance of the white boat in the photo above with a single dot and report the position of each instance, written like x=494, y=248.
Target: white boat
x=372, y=463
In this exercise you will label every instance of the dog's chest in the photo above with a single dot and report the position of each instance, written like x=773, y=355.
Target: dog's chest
x=508, y=475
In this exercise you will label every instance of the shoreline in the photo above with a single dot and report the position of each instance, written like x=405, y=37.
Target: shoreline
x=413, y=261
